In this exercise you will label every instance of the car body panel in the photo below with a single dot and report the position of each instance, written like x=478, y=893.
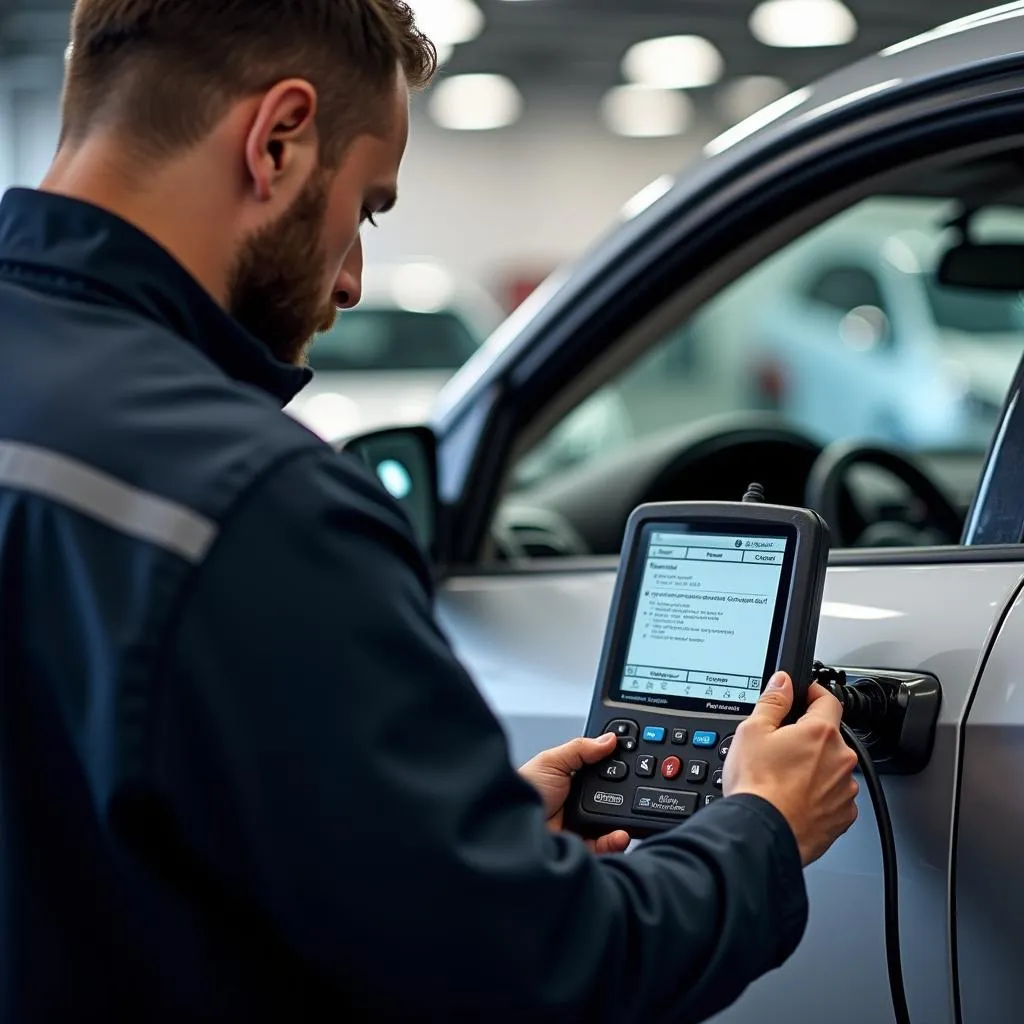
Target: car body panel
x=897, y=617
x=989, y=855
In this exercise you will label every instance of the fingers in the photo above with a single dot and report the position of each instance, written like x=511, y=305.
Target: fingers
x=821, y=704
x=775, y=702
x=591, y=751
x=614, y=842
x=572, y=756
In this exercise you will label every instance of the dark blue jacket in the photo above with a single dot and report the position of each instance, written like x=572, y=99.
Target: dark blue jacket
x=242, y=775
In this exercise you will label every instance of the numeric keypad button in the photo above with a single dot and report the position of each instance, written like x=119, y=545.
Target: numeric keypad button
x=613, y=771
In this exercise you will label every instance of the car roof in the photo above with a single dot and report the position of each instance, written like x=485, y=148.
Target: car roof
x=957, y=51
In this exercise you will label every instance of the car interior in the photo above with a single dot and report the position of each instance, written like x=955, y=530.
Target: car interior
x=758, y=381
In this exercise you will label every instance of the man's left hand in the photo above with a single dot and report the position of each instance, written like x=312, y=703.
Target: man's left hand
x=550, y=773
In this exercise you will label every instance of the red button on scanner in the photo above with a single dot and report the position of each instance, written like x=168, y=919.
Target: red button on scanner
x=671, y=767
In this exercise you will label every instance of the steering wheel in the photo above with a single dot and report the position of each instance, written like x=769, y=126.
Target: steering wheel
x=827, y=485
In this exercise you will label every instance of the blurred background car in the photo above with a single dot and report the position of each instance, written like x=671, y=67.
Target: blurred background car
x=859, y=311
x=383, y=362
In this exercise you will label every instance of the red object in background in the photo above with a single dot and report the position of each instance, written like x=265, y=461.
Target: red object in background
x=671, y=767
x=770, y=381
x=520, y=287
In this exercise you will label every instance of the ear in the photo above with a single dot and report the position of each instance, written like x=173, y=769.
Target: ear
x=281, y=146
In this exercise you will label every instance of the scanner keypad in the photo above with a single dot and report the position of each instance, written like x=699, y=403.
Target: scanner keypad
x=684, y=784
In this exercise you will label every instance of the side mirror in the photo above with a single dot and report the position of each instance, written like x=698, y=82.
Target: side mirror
x=404, y=460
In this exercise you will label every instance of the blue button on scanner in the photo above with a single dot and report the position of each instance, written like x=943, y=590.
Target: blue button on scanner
x=705, y=739
x=654, y=734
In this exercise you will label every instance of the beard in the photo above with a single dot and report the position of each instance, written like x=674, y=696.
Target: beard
x=275, y=288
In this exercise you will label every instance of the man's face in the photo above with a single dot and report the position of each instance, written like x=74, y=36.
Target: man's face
x=291, y=277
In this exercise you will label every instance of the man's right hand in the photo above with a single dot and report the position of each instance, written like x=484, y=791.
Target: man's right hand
x=805, y=770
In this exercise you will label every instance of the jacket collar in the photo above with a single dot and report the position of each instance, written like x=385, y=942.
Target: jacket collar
x=53, y=235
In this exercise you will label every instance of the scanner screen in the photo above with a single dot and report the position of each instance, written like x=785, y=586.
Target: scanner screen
x=707, y=614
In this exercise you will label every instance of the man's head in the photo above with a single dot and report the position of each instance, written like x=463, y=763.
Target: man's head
x=292, y=113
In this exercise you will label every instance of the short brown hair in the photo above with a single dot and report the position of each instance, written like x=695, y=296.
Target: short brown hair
x=165, y=71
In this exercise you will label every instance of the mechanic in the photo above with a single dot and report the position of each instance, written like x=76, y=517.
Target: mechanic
x=242, y=774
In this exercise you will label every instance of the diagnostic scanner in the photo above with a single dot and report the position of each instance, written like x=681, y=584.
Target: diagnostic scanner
x=711, y=599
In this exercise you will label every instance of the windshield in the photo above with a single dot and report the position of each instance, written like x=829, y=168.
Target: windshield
x=975, y=312
x=393, y=339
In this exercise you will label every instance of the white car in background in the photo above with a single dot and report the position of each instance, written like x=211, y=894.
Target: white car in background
x=855, y=336
x=385, y=361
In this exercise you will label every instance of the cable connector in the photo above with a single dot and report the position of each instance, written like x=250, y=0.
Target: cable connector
x=865, y=706
x=754, y=495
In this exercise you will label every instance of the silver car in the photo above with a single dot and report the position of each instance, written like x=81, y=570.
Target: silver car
x=523, y=504
x=385, y=361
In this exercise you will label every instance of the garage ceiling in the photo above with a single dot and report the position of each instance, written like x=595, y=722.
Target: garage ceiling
x=570, y=51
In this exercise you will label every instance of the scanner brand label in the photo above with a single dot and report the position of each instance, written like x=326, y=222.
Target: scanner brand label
x=609, y=799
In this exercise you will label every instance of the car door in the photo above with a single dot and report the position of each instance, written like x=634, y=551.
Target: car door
x=532, y=643
x=530, y=631
x=987, y=867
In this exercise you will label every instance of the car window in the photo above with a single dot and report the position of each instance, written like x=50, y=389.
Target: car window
x=393, y=339
x=846, y=333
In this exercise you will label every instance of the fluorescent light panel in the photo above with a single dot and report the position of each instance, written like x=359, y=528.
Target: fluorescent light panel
x=448, y=22
x=803, y=23
x=475, y=102
x=638, y=111
x=673, y=62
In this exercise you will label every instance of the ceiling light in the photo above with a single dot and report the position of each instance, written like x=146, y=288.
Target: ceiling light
x=641, y=112
x=745, y=96
x=673, y=62
x=792, y=23
x=448, y=22
x=475, y=102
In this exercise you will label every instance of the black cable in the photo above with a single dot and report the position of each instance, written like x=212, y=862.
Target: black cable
x=866, y=705
x=890, y=878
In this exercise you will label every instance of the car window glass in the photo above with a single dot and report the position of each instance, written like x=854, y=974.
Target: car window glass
x=393, y=339
x=846, y=333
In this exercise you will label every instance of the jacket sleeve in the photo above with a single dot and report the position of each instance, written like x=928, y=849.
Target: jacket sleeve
x=326, y=758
